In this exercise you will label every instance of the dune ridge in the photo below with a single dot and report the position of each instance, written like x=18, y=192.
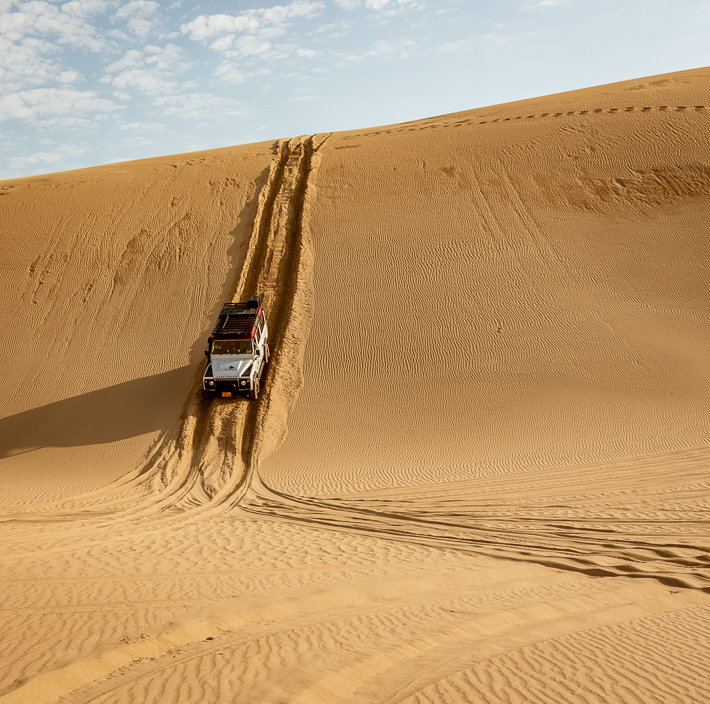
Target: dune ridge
x=479, y=470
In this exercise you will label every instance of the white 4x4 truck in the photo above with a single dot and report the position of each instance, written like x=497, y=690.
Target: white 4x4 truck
x=237, y=351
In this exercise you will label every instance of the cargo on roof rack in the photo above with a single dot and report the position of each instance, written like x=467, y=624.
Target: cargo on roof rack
x=237, y=351
x=237, y=319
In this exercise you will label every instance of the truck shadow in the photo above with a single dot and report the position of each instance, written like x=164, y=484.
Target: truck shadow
x=115, y=413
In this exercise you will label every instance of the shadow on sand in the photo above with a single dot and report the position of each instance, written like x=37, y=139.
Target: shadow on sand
x=115, y=413
x=135, y=407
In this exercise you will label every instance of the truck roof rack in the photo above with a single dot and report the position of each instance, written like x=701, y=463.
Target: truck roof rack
x=237, y=320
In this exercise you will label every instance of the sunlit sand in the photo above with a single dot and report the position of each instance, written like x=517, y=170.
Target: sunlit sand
x=479, y=469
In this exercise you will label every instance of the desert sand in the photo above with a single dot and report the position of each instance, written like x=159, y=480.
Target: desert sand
x=480, y=467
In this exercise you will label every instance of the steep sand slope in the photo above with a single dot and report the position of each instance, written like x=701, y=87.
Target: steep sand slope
x=495, y=483
x=515, y=302
x=517, y=288
x=113, y=275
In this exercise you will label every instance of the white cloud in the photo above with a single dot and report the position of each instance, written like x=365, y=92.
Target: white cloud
x=249, y=45
x=223, y=43
x=142, y=126
x=37, y=102
x=118, y=34
x=498, y=39
x=149, y=71
x=333, y=30
x=70, y=76
x=143, y=81
x=201, y=106
x=140, y=16
x=230, y=72
x=136, y=8
x=249, y=38
x=348, y=4
x=168, y=58
x=400, y=49
x=234, y=73
x=282, y=13
x=46, y=159
x=84, y=8
x=33, y=38
x=207, y=26
x=67, y=22
x=272, y=32
x=131, y=59
x=455, y=47
x=382, y=4
x=26, y=63
x=68, y=122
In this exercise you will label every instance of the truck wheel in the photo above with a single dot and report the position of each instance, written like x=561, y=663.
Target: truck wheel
x=207, y=395
x=255, y=391
x=266, y=353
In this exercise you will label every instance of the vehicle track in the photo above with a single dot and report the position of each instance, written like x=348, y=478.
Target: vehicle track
x=592, y=547
x=207, y=461
x=204, y=461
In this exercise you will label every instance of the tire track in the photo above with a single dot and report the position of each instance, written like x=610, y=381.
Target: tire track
x=204, y=461
x=219, y=439
x=560, y=544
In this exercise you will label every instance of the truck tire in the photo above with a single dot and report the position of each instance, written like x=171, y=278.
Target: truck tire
x=254, y=394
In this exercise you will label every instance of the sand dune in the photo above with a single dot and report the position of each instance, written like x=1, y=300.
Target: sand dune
x=480, y=467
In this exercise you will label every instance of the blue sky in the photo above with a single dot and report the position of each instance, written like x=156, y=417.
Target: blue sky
x=89, y=82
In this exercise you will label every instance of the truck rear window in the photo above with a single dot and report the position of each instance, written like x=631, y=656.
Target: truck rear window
x=232, y=347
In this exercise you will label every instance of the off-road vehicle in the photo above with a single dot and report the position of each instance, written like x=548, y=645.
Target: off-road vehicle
x=237, y=351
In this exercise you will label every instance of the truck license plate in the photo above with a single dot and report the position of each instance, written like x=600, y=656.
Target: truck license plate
x=226, y=394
